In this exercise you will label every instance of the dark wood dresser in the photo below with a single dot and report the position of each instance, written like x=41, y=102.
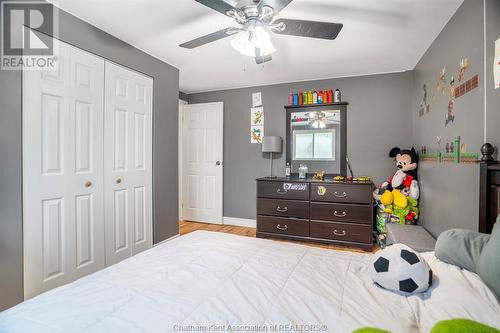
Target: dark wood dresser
x=340, y=213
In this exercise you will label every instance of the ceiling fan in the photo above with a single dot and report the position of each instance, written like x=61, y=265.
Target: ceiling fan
x=256, y=19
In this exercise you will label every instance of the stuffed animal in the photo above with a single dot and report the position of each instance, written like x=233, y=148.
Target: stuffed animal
x=406, y=177
x=398, y=197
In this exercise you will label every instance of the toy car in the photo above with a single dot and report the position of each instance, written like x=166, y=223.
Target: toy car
x=362, y=179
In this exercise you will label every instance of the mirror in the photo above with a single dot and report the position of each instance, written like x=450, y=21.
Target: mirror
x=314, y=138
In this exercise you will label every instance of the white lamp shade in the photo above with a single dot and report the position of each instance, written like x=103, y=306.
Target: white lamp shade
x=271, y=144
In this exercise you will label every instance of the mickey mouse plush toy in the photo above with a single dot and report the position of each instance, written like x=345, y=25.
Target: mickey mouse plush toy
x=399, y=195
x=406, y=178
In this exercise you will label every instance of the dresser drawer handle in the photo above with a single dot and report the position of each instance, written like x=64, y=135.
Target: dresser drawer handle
x=336, y=233
x=279, y=191
x=343, y=195
x=339, y=215
x=282, y=210
x=282, y=227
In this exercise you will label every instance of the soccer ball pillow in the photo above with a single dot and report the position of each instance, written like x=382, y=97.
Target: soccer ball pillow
x=401, y=269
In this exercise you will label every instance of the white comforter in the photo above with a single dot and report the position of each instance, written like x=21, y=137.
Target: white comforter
x=208, y=280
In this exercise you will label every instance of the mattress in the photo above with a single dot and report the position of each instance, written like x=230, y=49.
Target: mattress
x=208, y=281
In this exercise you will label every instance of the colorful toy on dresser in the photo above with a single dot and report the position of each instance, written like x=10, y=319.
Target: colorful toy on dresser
x=314, y=97
x=397, y=198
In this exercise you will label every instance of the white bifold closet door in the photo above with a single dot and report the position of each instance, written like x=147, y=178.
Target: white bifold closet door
x=63, y=208
x=87, y=168
x=128, y=165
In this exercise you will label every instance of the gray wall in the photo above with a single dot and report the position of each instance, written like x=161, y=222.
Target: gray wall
x=492, y=95
x=165, y=194
x=378, y=118
x=11, y=232
x=449, y=191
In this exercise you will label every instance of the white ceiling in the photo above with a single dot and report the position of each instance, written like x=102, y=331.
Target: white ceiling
x=378, y=37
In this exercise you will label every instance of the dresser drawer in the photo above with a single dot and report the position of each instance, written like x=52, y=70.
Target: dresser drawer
x=280, y=225
x=343, y=193
x=282, y=190
x=288, y=208
x=341, y=212
x=341, y=231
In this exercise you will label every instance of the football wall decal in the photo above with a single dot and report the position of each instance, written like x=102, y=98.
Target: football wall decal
x=401, y=269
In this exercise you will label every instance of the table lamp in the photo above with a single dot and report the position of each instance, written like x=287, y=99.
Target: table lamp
x=271, y=144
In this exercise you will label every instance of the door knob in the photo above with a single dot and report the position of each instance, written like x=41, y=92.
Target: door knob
x=88, y=184
x=218, y=163
x=118, y=180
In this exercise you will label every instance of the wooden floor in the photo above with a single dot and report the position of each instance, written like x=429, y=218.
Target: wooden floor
x=186, y=227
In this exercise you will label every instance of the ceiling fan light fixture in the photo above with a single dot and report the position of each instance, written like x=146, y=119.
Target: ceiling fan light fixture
x=261, y=39
x=242, y=43
x=247, y=42
x=318, y=124
x=256, y=21
x=316, y=119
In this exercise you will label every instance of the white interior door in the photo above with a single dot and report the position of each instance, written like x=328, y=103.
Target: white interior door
x=127, y=162
x=202, y=162
x=63, y=216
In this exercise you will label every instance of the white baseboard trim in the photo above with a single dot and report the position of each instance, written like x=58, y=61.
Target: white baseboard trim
x=166, y=240
x=240, y=222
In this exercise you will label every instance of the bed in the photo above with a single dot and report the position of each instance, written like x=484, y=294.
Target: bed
x=207, y=280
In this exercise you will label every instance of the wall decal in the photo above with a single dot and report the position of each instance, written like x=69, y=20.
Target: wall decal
x=464, y=64
x=424, y=105
x=452, y=87
x=450, y=115
x=466, y=87
x=496, y=64
x=441, y=81
x=454, y=152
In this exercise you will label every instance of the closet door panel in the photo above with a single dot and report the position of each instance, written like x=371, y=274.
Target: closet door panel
x=46, y=215
x=85, y=226
x=128, y=163
x=120, y=223
x=140, y=175
x=87, y=187
x=53, y=239
x=116, y=196
x=140, y=218
x=63, y=218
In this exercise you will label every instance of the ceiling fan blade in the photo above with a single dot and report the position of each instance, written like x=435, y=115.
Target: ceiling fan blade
x=277, y=5
x=312, y=29
x=261, y=59
x=209, y=38
x=219, y=5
